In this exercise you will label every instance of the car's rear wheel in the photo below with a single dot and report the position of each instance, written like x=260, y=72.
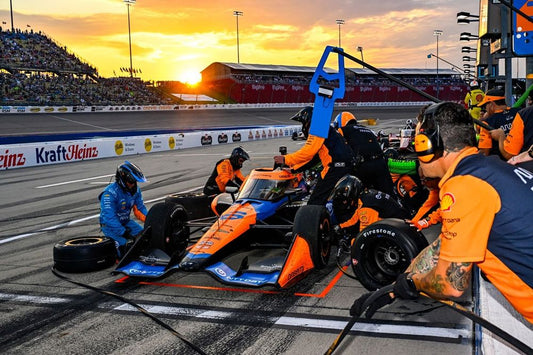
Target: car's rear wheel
x=384, y=250
x=84, y=254
x=169, y=230
x=312, y=223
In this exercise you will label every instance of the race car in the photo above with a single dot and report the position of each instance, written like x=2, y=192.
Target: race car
x=264, y=235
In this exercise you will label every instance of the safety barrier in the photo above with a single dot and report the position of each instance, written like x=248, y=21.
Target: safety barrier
x=66, y=151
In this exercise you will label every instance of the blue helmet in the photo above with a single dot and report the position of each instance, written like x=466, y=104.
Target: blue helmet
x=129, y=173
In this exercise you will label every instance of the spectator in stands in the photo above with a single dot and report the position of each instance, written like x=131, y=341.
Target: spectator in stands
x=227, y=172
x=520, y=136
x=333, y=152
x=496, y=238
x=116, y=203
x=498, y=115
x=371, y=167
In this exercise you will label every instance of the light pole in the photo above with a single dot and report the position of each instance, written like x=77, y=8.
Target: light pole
x=360, y=49
x=464, y=18
x=340, y=22
x=11, y=11
x=237, y=14
x=128, y=4
x=437, y=33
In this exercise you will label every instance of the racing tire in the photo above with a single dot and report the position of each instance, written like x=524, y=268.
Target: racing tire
x=170, y=232
x=383, y=250
x=294, y=136
x=84, y=254
x=312, y=223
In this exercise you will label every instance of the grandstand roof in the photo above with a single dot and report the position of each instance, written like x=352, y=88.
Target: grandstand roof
x=270, y=67
x=404, y=71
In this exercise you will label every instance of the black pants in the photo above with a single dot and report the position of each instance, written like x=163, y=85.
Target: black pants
x=375, y=174
x=323, y=187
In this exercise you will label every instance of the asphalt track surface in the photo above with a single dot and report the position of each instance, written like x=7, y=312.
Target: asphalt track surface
x=42, y=314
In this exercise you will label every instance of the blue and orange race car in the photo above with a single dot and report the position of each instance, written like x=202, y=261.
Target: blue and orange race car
x=264, y=235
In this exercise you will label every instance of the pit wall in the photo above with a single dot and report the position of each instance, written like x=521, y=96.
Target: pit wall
x=65, y=151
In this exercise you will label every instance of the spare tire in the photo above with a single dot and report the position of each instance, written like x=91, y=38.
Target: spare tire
x=383, y=250
x=312, y=223
x=84, y=254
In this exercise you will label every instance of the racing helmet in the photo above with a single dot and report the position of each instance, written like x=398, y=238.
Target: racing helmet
x=474, y=84
x=129, y=173
x=237, y=157
x=304, y=117
x=343, y=119
x=345, y=196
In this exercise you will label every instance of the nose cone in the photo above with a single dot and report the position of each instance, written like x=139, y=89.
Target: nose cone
x=189, y=264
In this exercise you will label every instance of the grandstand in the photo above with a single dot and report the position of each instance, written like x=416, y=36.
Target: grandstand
x=256, y=83
x=36, y=71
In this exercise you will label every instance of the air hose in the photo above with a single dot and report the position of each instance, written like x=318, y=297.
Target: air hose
x=142, y=310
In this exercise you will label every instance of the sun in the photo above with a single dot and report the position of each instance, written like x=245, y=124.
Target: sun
x=190, y=77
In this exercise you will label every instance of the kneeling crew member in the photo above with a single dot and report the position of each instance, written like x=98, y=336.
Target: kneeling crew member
x=227, y=172
x=354, y=205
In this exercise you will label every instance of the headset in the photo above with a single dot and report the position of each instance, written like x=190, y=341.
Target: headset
x=428, y=142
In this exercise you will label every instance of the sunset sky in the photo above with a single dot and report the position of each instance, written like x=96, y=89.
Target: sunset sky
x=175, y=40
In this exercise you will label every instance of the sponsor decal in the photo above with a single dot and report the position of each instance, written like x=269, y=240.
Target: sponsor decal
x=236, y=137
x=206, y=139
x=220, y=272
x=379, y=231
x=278, y=87
x=223, y=138
x=48, y=109
x=297, y=88
x=35, y=109
x=65, y=153
x=119, y=147
x=258, y=87
x=295, y=273
x=365, y=88
x=9, y=160
x=147, y=144
x=236, y=215
x=447, y=202
x=62, y=109
x=157, y=144
x=250, y=135
x=171, y=142
x=129, y=147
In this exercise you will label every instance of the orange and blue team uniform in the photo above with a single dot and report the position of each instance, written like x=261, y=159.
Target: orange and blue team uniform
x=493, y=230
x=502, y=119
x=336, y=158
x=520, y=137
x=223, y=175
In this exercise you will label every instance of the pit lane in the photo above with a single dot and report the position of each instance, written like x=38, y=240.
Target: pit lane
x=43, y=314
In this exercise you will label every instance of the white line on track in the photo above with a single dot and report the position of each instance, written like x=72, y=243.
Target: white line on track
x=82, y=123
x=284, y=321
x=73, y=181
x=76, y=221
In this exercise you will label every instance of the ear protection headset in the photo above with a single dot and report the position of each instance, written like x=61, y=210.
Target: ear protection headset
x=428, y=143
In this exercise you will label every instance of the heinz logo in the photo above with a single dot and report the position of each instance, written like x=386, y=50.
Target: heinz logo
x=9, y=160
x=62, y=153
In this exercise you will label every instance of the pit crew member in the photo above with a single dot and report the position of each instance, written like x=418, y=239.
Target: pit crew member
x=334, y=154
x=227, y=172
x=116, y=203
x=487, y=218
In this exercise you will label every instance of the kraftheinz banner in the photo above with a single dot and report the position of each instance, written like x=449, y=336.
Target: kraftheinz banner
x=34, y=154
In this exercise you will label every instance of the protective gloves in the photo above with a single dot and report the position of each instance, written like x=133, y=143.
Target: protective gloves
x=403, y=288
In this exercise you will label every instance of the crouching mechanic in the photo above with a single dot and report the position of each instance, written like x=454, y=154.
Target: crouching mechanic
x=227, y=172
x=371, y=167
x=116, y=203
x=487, y=218
x=355, y=207
x=334, y=154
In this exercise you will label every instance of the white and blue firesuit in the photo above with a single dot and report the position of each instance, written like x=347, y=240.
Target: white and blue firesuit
x=115, y=209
